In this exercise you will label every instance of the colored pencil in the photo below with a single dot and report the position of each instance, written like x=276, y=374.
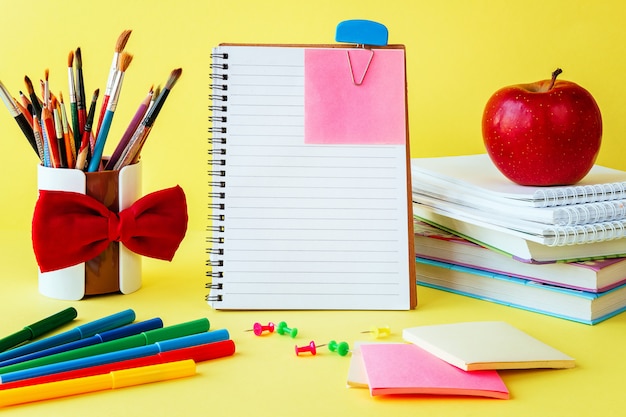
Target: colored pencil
x=26, y=102
x=119, y=47
x=19, y=117
x=96, y=159
x=133, y=150
x=27, y=114
x=38, y=137
x=58, y=129
x=49, y=133
x=70, y=146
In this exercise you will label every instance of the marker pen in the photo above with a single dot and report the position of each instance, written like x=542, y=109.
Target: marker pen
x=199, y=353
x=117, y=356
x=113, y=334
x=79, y=332
x=39, y=328
x=112, y=380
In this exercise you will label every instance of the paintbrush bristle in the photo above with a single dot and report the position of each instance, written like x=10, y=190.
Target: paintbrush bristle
x=46, y=74
x=70, y=59
x=79, y=58
x=174, y=76
x=29, y=85
x=121, y=41
x=125, y=60
x=61, y=96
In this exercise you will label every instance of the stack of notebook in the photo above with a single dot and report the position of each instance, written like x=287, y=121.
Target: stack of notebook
x=555, y=250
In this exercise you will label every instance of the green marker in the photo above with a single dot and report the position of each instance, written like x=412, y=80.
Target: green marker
x=141, y=339
x=39, y=328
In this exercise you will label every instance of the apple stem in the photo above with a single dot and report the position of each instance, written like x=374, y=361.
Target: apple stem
x=554, y=75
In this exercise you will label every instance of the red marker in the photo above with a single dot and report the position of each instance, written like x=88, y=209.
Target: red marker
x=198, y=353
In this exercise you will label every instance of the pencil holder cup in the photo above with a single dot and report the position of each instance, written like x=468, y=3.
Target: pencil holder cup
x=114, y=268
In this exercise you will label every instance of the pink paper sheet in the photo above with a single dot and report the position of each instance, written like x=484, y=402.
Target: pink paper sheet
x=339, y=112
x=401, y=368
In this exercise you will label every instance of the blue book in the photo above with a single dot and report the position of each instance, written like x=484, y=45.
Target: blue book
x=576, y=305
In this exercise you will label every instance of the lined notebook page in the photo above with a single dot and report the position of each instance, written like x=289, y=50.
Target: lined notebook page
x=306, y=226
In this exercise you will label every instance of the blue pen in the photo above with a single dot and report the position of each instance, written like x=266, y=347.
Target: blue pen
x=118, y=356
x=79, y=332
x=124, y=331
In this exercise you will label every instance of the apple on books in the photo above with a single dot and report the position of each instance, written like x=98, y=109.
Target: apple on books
x=543, y=133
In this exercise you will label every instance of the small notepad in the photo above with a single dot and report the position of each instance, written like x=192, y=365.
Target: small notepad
x=404, y=368
x=486, y=345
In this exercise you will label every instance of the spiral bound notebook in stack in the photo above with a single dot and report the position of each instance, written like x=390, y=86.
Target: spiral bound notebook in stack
x=309, y=179
x=468, y=196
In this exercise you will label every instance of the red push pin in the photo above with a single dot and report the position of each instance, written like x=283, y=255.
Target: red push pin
x=258, y=328
x=308, y=348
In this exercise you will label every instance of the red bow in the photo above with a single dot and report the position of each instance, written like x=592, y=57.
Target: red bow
x=70, y=228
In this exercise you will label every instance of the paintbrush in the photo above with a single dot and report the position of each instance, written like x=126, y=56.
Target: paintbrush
x=81, y=157
x=94, y=163
x=33, y=97
x=49, y=134
x=73, y=106
x=119, y=47
x=80, y=90
x=133, y=150
x=132, y=126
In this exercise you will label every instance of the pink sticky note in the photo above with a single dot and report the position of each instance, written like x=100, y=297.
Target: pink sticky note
x=338, y=111
x=401, y=368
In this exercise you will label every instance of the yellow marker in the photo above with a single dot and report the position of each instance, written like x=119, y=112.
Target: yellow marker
x=112, y=380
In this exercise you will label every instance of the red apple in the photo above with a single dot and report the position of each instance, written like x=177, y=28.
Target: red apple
x=543, y=133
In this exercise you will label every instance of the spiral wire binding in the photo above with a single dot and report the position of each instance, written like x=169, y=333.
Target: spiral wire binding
x=561, y=196
x=586, y=233
x=216, y=171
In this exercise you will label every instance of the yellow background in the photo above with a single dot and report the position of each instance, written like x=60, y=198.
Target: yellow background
x=458, y=53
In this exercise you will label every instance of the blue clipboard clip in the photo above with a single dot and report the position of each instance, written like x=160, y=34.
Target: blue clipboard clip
x=364, y=34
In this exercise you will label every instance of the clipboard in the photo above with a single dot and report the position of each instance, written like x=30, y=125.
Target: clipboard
x=285, y=230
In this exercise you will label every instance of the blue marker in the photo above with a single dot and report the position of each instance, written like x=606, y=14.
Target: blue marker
x=118, y=356
x=124, y=331
x=79, y=332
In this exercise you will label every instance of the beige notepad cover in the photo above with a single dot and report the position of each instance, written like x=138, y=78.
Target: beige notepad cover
x=486, y=345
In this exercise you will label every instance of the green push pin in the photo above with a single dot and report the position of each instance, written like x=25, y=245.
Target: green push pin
x=282, y=329
x=342, y=348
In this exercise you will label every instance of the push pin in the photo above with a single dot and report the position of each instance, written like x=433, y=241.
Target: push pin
x=308, y=348
x=342, y=348
x=379, y=332
x=258, y=328
x=282, y=329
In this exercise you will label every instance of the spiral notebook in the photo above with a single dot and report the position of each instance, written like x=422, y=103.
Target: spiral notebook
x=309, y=179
